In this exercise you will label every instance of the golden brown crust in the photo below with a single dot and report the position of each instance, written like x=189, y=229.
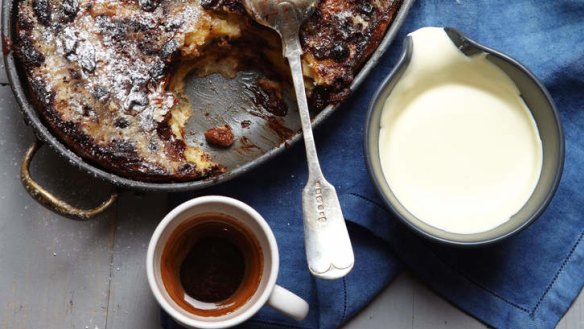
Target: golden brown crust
x=99, y=79
x=337, y=39
x=98, y=71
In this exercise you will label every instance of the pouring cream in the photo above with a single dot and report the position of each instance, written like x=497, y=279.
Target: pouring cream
x=458, y=146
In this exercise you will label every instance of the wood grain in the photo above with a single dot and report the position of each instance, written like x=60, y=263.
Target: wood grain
x=131, y=304
x=54, y=272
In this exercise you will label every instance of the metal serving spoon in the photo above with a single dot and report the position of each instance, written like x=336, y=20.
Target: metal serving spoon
x=328, y=248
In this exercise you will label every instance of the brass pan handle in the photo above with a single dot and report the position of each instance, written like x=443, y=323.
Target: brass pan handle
x=50, y=201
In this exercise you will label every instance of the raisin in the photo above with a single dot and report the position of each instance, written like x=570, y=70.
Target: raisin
x=28, y=53
x=319, y=52
x=235, y=6
x=75, y=74
x=319, y=98
x=220, y=136
x=101, y=93
x=70, y=8
x=339, y=52
x=269, y=97
x=366, y=8
x=88, y=111
x=153, y=146
x=149, y=5
x=116, y=30
x=42, y=9
x=210, y=4
x=25, y=21
x=122, y=123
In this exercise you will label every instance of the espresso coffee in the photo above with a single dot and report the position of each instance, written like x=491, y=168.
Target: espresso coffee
x=211, y=265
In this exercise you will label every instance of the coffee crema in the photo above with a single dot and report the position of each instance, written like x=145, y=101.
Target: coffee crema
x=211, y=265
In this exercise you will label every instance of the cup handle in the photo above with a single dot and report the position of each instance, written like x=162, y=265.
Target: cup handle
x=288, y=303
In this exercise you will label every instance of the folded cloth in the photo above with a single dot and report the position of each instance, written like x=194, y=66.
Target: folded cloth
x=526, y=281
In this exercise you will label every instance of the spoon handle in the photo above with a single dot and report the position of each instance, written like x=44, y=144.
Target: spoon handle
x=328, y=248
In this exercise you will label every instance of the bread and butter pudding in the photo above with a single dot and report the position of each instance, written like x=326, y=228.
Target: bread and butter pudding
x=106, y=75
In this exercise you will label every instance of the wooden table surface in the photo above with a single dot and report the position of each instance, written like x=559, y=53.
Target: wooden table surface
x=57, y=274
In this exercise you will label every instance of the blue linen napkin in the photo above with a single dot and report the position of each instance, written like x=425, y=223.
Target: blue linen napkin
x=527, y=281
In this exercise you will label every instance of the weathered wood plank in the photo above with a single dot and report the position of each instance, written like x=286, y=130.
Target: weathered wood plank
x=3, y=77
x=392, y=309
x=431, y=311
x=131, y=304
x=55, y=272
x=575, y=316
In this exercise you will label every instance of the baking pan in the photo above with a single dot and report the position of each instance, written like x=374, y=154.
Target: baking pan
x=260, y=141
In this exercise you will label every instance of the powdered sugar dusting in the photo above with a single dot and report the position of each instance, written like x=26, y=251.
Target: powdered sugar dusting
x=106, y=68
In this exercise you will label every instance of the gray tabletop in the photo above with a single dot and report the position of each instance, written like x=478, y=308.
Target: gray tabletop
x=57, y=273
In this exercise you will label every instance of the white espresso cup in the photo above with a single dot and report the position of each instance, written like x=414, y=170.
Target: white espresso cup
x=249, y=220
